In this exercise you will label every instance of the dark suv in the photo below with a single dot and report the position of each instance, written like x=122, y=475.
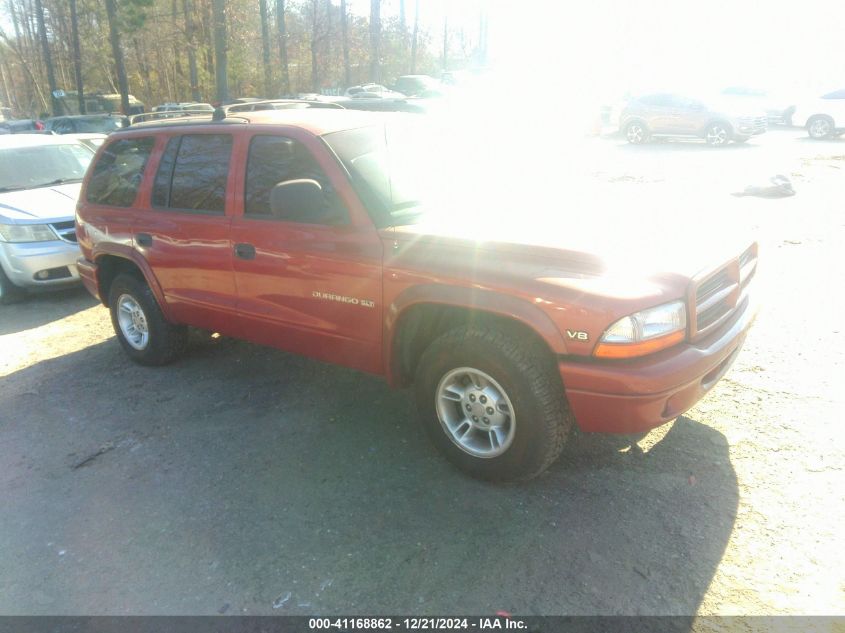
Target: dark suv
x=673, y=115
x=85, y=123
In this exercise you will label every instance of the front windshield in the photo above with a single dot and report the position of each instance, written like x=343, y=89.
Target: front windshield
x=42, y=165
x=402, y=169
x=409, y=170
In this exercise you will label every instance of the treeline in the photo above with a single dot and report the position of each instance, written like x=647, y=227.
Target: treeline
x=210, y=50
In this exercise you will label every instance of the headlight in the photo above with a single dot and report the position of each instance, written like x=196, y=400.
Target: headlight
x=26, y=233
x=644, y=332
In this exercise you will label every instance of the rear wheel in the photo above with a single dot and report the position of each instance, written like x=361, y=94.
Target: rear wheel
x=636, y=132
x=492, y=403
x=9, y=292
x=820, y=127
x=145, y=335
x=717, y=134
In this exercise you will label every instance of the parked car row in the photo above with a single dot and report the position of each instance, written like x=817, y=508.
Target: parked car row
x=71, y=124
x=736, y=115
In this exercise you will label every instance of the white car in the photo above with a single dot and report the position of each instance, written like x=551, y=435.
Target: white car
x=823, y=117
x=185, y=105
x=40, y=177
x=89, y=139
x=372, y=91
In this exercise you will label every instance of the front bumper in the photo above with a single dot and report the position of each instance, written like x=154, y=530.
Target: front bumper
x=751, y=129
x=639, y=395
x=23, y=261
x=88, y=274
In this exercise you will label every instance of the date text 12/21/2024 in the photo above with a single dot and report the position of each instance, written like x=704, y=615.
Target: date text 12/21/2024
x=416, y=624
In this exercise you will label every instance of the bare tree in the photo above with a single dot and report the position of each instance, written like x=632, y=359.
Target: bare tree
x=221, y=67
x=48, y=58
x=328, y=36
x=117, y=54
x=283, y=45
x=26, y=68
x=415, y=37
x=315, y=43
x=265, y=47
x=445, y=43
x=375, y=40
x=344, y=27
x=77, y=56
x=403, y=26
x=190, y=40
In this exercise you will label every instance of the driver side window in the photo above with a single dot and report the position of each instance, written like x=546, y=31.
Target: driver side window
x=276, y=159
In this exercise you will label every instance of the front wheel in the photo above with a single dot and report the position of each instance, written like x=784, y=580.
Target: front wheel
x=492, y=403
x=636, y=132
x=717, y=134
x=145, y=335
x=820, y=127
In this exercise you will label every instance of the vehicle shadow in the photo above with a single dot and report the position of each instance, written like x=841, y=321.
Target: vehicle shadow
x=37, y=309
x=837, y=141
x=685, y=146
x=247, y=480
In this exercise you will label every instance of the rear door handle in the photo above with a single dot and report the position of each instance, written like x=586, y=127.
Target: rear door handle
x=244, y=251
x=144, y=239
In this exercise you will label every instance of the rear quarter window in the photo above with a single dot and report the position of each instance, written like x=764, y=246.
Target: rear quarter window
x=193, y=172
x=118, y=172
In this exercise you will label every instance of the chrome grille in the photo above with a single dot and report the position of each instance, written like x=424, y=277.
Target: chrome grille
x=65, y=230
x=715, y=298
x=712, y=285
x=747, y=266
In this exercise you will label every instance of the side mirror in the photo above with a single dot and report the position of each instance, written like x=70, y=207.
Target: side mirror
x=298, y=201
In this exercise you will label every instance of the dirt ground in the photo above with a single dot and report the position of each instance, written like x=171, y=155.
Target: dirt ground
x=246, y=480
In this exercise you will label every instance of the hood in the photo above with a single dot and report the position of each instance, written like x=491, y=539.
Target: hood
x=626, y=231
x=40, y=205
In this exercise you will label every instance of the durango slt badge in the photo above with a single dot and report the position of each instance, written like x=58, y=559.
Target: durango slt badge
x=328, y=296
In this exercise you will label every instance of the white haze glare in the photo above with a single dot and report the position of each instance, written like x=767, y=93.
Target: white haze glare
x=602, y=48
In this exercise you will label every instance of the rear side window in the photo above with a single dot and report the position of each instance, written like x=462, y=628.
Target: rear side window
x=193, y=172
x=276, y=159
x=660, y=100
x=119, y=171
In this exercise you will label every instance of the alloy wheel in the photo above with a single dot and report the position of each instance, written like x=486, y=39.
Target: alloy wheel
x=475, y=412
x=132, y=322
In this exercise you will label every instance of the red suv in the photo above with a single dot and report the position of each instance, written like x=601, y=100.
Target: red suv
x=294, y=229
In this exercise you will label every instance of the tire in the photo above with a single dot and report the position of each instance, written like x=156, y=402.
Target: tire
x=9, y=292
x=524, y=394
x=636, y=133
x=717, y=134
x=820, y=127
x=145, y=335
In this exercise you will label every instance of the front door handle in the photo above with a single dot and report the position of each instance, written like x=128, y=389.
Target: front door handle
x=244, y=251
x=144, y=239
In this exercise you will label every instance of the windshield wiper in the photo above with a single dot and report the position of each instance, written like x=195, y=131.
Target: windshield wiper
x=57, y=181
x=12, y=188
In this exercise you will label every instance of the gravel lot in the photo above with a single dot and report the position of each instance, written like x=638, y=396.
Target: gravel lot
x=246, y=480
